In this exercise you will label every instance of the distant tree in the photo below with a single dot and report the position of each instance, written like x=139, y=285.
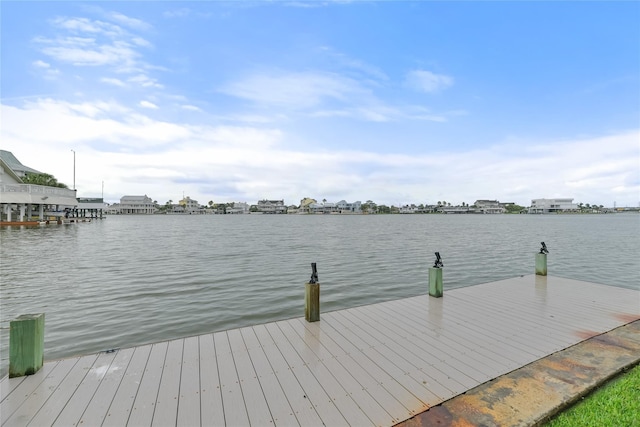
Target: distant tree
x=439, y=203
x=324, y=201
x=210, y=203
x=513, y=208
x=43, y=179
x=364, y=207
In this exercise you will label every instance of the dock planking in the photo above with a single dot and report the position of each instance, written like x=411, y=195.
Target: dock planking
x=378, y=364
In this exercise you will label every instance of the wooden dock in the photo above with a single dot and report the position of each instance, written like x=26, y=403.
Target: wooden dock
x=378, y=364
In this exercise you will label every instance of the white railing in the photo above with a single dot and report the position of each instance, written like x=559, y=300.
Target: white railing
x=37, y=189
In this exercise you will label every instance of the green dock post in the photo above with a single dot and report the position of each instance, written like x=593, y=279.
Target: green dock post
x=435, y=282
x=26, y=345
x=541, y=264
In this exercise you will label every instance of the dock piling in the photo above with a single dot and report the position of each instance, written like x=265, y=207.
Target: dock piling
x=312, y=297
x=435, y=277
x=26, y=345
x=541, y=260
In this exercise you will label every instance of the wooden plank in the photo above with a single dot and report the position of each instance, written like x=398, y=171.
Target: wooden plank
x=39, y=395
x=166, y=408
x=252, y=390
x=421, y=358
x=372, y=375
x=120, y=408
x=235, y=410
x=7, y=385
x=145, y=402
x=323, y=403
x=211, y=410
x=304, y=344
x=21, y=388
x=457, y=336
x=374, y=411
x=72, y=412
x=189, y=402
x=63, y=393
x=363, y=338
x=98, y=407
x=279, y=407
x=434, y=350
x=296, y=396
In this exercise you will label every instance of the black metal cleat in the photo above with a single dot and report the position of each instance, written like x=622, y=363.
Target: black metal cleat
x=438, y=263
x=543, y=249
x=314, y=273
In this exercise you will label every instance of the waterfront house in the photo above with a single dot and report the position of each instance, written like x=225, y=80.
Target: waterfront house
x=305, y=203
x=408, y=209
x=542, y=206
x=345, y=207
x=24, y=202
x=238, y=208
x=190, y=206
x=133, y=205
x=271, y=207
x=489, y=207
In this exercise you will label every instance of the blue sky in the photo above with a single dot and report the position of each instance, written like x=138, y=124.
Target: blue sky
x=396, y=102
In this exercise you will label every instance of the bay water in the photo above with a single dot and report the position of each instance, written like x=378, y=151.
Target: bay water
x=130, y=280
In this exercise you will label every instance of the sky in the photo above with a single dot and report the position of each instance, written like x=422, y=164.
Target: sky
x=397, y=102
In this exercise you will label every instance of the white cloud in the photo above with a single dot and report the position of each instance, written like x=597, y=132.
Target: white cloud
x=84, y=42
x=190, y=108
x=130, y=22
x=135, y=154
x=426, y=81
x=145, y=81
x=294, y=90
x=177, y=13
x=45, y=70
x=147, y=104
x=113, y=81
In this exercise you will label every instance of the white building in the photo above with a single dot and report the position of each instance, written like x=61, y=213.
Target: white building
x=541, y=206
x=489, y=207
x=271, y=207
x=346, y=207
x=190, y=206
x=408, y=209
x=24, y=202
x=238, y=208
x=133, y=205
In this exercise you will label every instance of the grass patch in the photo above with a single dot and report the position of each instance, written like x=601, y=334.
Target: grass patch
x=615, y=404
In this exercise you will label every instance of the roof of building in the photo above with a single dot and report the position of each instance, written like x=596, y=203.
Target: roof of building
x=15, y=165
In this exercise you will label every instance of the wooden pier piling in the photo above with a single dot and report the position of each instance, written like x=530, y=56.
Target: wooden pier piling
x=26, y=345
x=541, y=264
x=435, y=282
x=312, y=302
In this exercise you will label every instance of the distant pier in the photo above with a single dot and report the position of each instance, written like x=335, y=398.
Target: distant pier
x=378, y=364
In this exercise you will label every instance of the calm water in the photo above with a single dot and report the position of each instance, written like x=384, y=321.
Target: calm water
x=129, y=280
